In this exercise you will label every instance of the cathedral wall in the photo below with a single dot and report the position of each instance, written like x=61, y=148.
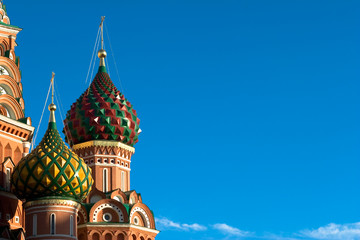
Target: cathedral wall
x=51, y=221
x=11, y=211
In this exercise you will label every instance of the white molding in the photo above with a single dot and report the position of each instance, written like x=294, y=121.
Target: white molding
x=50, y=211
x=17, y=123
x=119, y=225
x=52, y=206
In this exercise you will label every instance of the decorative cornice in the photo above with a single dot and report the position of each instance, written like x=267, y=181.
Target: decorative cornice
x=102, y=143
x=10, y=29
x=117, y=225
x=52, y=202
x=17, y=123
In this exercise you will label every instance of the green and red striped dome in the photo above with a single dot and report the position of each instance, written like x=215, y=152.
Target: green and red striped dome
x=102, y=113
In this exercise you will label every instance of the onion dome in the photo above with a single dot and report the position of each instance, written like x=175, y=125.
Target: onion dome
x=102, y=113
x=51, y=169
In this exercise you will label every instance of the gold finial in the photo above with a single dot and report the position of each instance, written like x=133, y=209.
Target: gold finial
x=52, y=106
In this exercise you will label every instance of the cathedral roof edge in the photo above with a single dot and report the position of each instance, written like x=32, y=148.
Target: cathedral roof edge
x=17, y=123
x=104, y=143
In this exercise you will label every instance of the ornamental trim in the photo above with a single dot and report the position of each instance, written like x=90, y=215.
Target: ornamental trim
x=103, y=144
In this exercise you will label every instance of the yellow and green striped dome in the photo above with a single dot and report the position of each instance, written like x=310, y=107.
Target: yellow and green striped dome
x=51, y=169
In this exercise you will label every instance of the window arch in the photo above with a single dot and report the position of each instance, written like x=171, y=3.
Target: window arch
x=52, y=224
x=9, y=111
x=5, y=71
x=108, y=236
x=8, y=151
x=105, y=180
x=71, y=225
x=95, y=236
x=8, y=179
x=34, y=225
x=123, y=181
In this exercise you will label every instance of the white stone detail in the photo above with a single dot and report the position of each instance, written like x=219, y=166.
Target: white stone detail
x=142, y=213
x=108, y=205
x=84, y=215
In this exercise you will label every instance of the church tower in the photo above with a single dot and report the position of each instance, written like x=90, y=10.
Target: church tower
x=102, y=127
x=52, y=180
x=15, y=129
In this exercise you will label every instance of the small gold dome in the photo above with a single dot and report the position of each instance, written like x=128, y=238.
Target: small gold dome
x=102, y=53
x=52, y=107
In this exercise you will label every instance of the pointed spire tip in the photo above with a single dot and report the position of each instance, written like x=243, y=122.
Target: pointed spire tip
x=52, y=106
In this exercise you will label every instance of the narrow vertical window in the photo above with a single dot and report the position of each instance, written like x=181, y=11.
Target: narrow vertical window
x=52, y=223
x=71, y=226
x=105, y=180
x=122, y=181
x=8, y=176
x=34, y=225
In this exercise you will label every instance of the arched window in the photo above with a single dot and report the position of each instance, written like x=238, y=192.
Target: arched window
x=123, y=181
x=8, y=177
x=105, y=180
x=71, y=226
x=52, y=224
x=108, y=236
x=34, y=225
x=95, y=236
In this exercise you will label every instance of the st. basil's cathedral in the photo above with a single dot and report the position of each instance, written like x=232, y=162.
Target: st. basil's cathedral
x=53, y=191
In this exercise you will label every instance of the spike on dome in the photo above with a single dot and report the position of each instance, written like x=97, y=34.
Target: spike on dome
x=51, y=169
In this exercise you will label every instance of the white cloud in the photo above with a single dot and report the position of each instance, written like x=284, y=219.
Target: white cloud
x=229, y=230
x=334, y=231
x=194, y=226
x=165, y=223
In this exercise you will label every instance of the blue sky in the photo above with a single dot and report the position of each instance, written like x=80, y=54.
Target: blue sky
x=249, y=109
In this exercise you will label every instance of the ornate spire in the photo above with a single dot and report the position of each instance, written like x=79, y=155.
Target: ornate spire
x=52, y=106
x=102, y=53
x=102, y=112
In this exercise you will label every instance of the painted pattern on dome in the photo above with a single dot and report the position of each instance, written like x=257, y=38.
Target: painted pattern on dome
x=102, y=113
x=51, y=169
